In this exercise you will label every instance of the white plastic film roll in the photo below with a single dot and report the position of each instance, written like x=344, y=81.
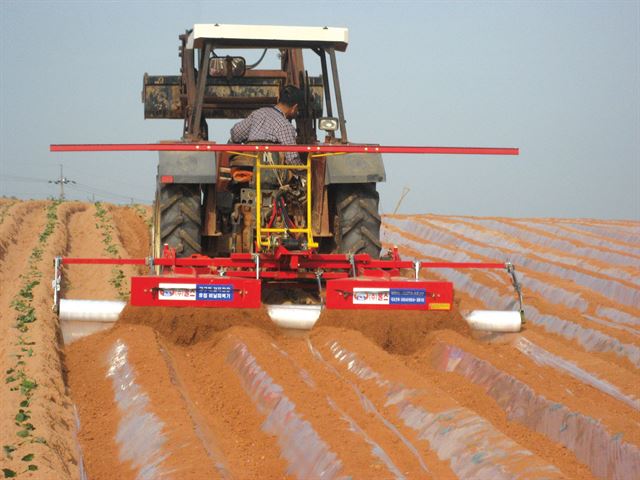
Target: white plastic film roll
x=90, y=310
x=495, y=320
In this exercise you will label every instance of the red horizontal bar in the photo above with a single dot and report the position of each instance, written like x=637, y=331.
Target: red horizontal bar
x=104, y=261
x=284, y=274
x=222, y=147
x=336, y=261
x=461, y=265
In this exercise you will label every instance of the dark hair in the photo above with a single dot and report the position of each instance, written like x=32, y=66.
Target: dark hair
x=291, y=95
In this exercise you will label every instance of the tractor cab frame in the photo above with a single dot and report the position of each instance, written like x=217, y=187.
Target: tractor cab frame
x=194, y=208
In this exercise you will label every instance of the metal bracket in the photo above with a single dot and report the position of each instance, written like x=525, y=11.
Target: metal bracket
x=256, y=258
x=151, y=265
x=352, y=261
x=318, y=274
x=511, y=270
x=56, y=284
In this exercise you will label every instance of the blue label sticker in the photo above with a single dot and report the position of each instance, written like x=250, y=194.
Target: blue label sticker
x=215, y=292
x=407, y=296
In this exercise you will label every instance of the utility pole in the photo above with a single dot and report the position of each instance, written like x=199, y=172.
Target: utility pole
x=405, y=190
x=62, y=181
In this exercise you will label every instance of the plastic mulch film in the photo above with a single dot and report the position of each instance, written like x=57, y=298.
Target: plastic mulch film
x=591, y=339
x=540, y=356
x=376, y=449
x=307, y=455
x=606, y=454
x=520, y=256
x=82, y=473
x=370, y=408
x=473, y=447
x=526, y=231
x=139, y=436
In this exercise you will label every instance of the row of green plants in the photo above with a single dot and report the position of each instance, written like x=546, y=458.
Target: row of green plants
x=104, y=225
x=142, y=213
x=4, y=210
x=16, y=377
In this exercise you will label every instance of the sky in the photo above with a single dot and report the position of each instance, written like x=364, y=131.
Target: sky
x=559, y=80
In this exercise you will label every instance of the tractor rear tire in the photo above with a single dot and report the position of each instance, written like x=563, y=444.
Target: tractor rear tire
x=357, y=221
x=178, y=221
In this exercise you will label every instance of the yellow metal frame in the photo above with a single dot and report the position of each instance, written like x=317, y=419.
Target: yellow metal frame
x=311, y=243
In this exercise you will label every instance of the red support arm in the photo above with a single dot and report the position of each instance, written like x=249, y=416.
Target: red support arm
x=104, y=261
x=213, y=147
x=461, y=265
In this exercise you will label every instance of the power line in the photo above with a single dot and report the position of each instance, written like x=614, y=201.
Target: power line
x=80, y=171
x=81, y=187
x=17, y=178
x=106, y=194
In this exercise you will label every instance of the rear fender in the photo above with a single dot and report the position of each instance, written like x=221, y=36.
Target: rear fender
x=355, y=168
x=187, y=167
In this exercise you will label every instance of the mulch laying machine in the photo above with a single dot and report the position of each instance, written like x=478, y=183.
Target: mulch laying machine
x=235, y=226
x=327, y=280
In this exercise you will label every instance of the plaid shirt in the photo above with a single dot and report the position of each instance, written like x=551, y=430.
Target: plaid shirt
x=268, y=125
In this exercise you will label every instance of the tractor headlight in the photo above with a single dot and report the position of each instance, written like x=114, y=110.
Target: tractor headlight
x=328, y=124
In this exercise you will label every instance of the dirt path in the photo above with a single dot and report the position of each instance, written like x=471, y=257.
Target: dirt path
x=86, y=240
x=133, y=232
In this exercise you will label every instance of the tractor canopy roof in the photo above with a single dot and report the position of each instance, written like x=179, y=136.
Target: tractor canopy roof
x=267, y=36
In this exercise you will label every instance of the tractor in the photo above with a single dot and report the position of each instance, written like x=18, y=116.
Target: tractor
x=237, y=227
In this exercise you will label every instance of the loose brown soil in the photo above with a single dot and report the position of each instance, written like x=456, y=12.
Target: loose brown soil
x=401, y=332
x=187, y=326
x=182, y=362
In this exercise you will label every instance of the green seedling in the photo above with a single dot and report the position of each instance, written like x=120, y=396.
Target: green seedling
x=8, y=450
